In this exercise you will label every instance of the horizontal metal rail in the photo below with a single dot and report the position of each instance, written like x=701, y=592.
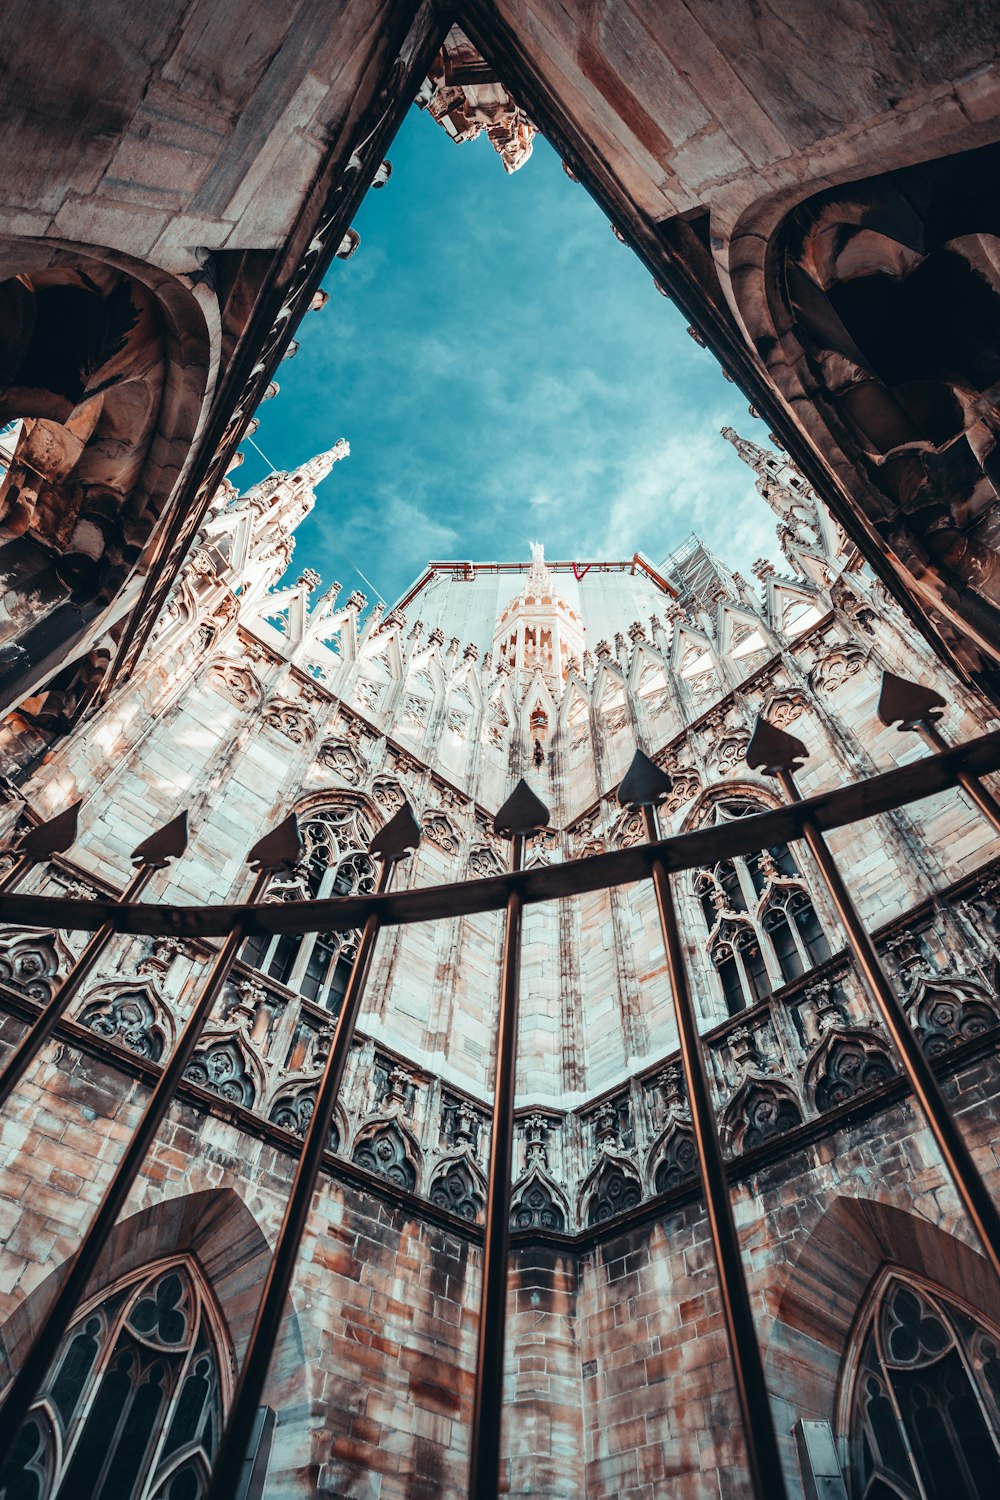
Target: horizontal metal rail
x=687, y=851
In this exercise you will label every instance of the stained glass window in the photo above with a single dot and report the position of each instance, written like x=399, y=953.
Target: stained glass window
x=335, y=864
x=925, y=1419
x=132, y=1407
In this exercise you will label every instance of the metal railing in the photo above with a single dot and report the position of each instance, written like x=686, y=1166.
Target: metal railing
x=773, y=753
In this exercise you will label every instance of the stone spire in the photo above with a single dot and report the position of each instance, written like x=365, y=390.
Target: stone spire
x=539, y=580
x=759, y=459
x=316, y=470
x=784, y=489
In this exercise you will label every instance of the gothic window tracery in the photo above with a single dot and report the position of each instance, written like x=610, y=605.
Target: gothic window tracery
x=763, y=930
x=133, y=1404
x=455, y=1189
x=384, y=1153
x=336, y=863
x=925, y=1407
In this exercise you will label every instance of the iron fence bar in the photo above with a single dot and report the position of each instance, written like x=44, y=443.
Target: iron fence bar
x=484, y=1464
x=399, y=837
x=828, y=810
x=281, y=848
x=778, y=754
x=39, y=844
x=913, y=706
x=39, y=1032
x=152, y=854
x=521, y=815
x=644, y=786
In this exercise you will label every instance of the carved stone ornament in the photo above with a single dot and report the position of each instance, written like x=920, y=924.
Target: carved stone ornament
x=439, y=831
x=484, y=861
x=128, y=1016
x=945, y=1012
x=536, y=1203
x=383, y=1151
x=289, y=719
x=678, y=1160
x=293, y=1111
x=836, y=666
x=847, y=1063
x=388, y=793
x=784, y=708
x=342, y=760
x=238, y=682
x=615, y=1190
x=29, y=962
x=456, y=1189
x=760, y=1108
x=222, y=1068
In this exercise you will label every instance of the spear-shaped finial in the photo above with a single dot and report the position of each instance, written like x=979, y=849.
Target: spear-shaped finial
x=772, y=750
x=522, y=814
x=52, y=837
x=167, y=843
x=645, y=784
x=907, y=703
x=281, y=849
x=399, y=837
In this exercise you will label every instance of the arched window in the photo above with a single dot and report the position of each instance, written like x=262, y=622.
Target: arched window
x=133, y=1404
x=318, y=964
x=762, y=927
x=925, y=1403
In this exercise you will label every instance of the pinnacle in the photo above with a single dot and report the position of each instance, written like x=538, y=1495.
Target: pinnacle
x=315, y=470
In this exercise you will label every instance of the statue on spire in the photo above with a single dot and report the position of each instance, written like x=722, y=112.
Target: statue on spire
x=316, y=469
x=539, y=579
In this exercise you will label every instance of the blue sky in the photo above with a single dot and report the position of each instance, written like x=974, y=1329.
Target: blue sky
x=505, y=371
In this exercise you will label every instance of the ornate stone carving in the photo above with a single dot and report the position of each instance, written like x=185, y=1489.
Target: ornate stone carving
x=29, y=962
x=947, y=1011
x=484, y=861
x=760, y=1108
x=678, y=1160
x=455, y=1189
x=343, y=760
x=846, y=1063
x=294, y=1110
x=384, y=1152
x=289, y=719
x=439, y=830
x=536, y=1204
x=388, y=794
x=614, y=1192
x=238, y=682
x=129, y=1017
x=835, y=666
x=222, y=1069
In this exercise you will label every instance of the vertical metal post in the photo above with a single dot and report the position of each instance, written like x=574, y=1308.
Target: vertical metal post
x=521, y=815
x=151, y=855
x=39, y=844
x=911, y=705
x=399, y=837
x=778, y=754
x=281, y=848
x=644, y=786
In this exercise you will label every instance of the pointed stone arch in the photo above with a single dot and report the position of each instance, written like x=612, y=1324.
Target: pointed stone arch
x=611, y=1187
x=458, y=1185
x=292, y=1104
x=826, y=1285
x=132, y=1013
x=227, y=1064
x=672, y=1158
x=538, y=1202
x=847, y=1063
x=33, y=962
x=761, y=1108
x=946, y=1011
x=387, y=1148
